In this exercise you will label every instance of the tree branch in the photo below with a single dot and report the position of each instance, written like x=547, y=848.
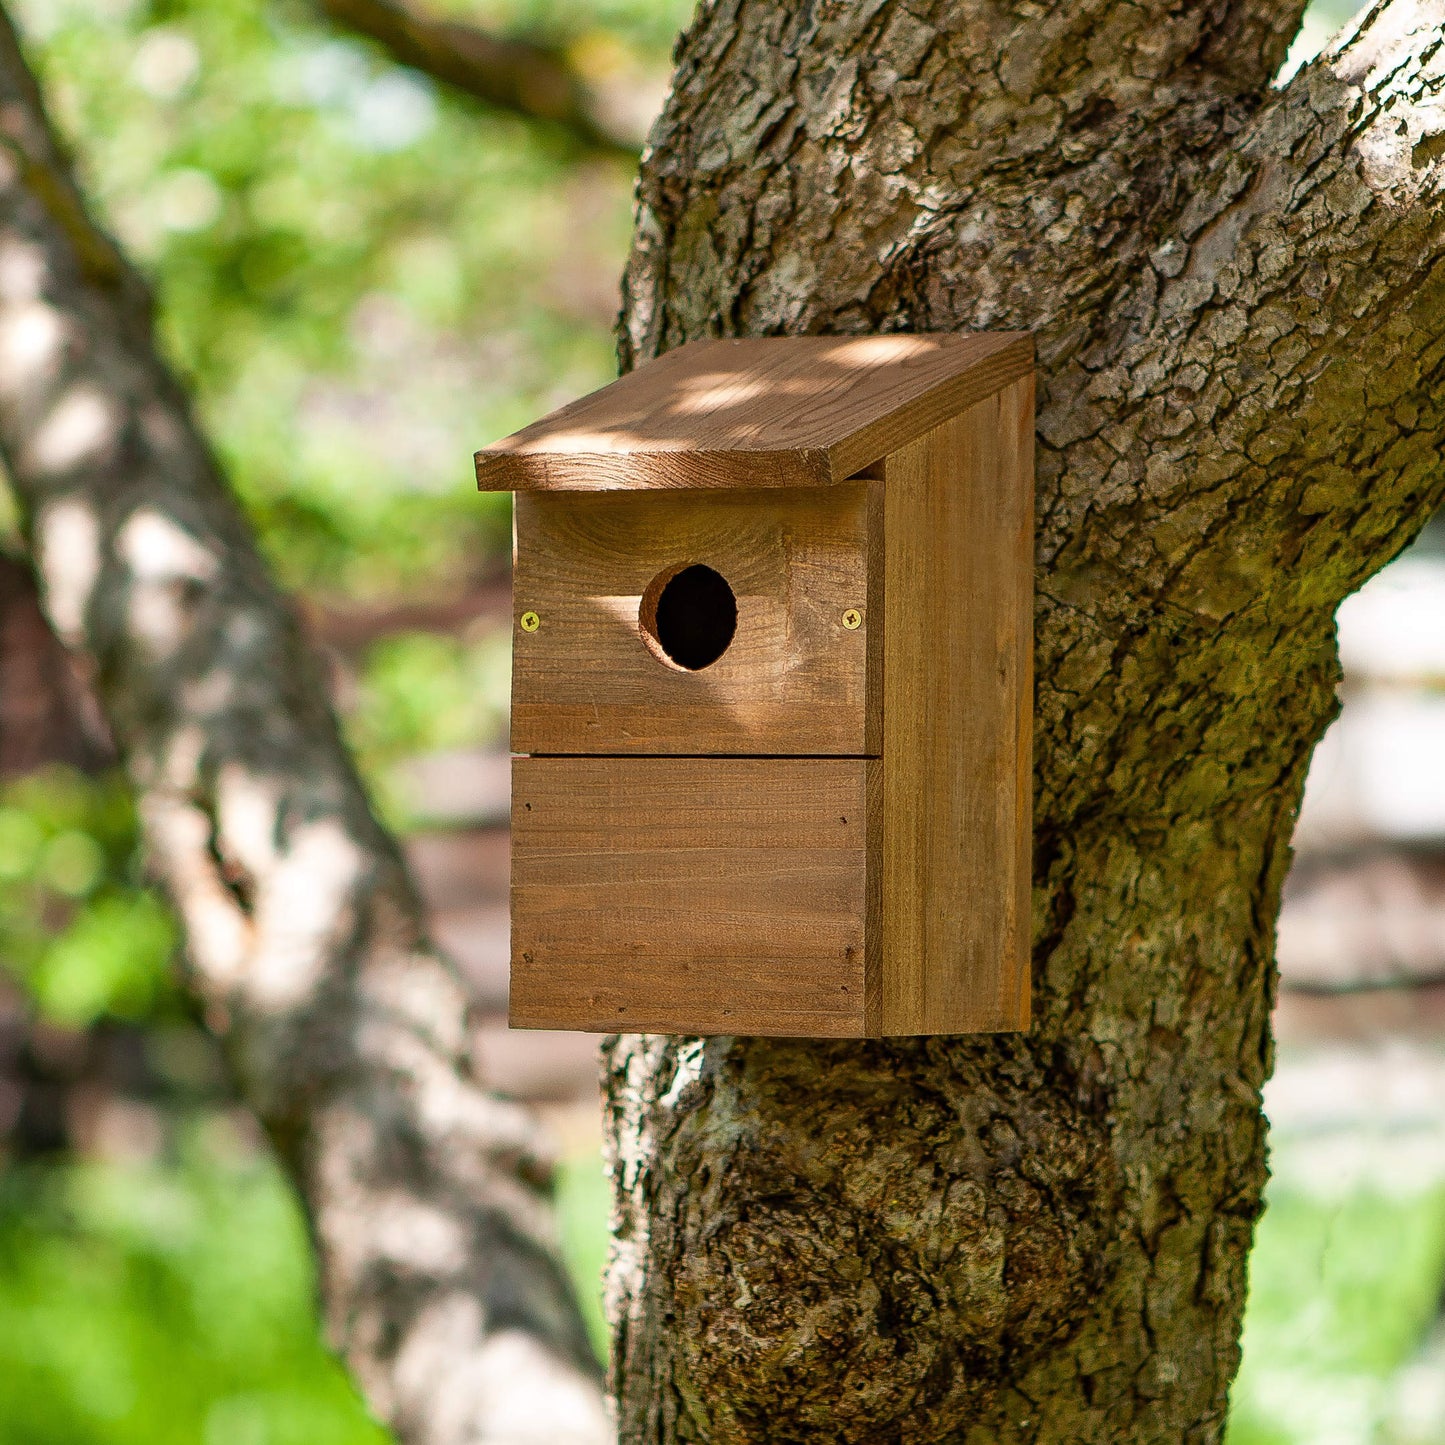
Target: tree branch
x=1284, y=332
x=538, y=81
x=440, y=1277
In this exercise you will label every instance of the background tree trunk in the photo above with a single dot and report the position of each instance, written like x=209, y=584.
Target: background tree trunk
x=348, y=1032
x=1238, y=298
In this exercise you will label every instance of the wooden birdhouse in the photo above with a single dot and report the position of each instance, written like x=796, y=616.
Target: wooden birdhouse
x=771, y=691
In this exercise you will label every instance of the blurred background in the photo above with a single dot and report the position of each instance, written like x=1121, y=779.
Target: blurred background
x=366, y=274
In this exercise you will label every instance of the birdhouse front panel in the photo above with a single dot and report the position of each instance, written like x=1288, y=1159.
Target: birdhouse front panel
x=694, y=622
x=772, y=692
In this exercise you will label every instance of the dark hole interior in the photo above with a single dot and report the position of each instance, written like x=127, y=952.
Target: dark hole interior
x=696, y=617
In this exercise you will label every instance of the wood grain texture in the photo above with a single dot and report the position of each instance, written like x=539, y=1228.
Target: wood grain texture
x=957, y=698
x=693, y=896
x=794, y=680
x=775, y=412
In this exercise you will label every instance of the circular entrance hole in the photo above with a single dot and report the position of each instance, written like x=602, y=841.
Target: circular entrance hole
x=689, y=616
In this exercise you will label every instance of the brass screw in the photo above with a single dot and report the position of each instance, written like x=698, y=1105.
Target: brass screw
x=530, y=622
x=852, y=619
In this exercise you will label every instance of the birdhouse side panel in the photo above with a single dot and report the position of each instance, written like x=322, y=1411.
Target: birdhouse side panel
x=958, y=707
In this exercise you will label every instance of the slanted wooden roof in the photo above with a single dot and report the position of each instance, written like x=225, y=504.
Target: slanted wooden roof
x=761, y=412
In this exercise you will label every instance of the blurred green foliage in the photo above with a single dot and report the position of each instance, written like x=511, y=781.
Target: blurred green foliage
x=171, y=1303
x=617, y=28
x=363, y=278
x=78, y=928
x=423, y=692
x=164, y=1304
x=1342, y=1293
x=584, y=1203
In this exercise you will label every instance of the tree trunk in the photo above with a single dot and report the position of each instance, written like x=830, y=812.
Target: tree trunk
x=427, y=1197
x=1238, y=298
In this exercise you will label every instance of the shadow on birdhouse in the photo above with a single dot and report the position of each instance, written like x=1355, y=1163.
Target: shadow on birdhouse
x=771, y=691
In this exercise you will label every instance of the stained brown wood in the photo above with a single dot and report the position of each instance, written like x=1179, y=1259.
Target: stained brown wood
x=957, y=707
x=773, y=412
x=826, y=831
x=793, y=680
x=694, y=896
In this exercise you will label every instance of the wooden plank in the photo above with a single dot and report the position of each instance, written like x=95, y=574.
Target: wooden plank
x=794, y=679
x=692, y=896
x=957, y=711
x=757, y=412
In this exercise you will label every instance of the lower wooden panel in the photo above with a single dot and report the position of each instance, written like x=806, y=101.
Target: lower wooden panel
x=694, y=895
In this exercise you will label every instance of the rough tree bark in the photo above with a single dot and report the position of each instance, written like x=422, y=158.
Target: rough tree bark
x=427, y=1197
x=1239, y=299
